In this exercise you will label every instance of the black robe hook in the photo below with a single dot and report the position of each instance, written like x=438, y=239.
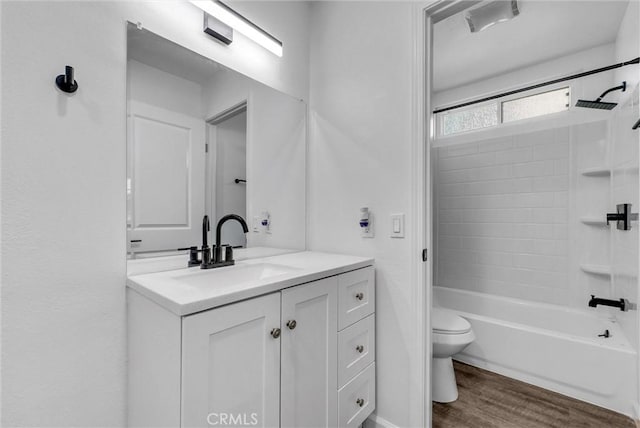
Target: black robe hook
x=65, y=82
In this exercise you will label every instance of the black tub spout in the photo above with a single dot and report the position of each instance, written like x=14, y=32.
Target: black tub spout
x=623, y=304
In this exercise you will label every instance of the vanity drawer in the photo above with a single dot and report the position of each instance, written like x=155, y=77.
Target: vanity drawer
x=357, y=399
x=356, y=348
x=356, y=296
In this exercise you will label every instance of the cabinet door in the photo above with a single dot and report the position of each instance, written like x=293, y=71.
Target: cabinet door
x=231, y=365
x=309, y=355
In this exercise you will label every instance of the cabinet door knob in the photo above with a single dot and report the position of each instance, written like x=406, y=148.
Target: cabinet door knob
x=292, y=324
x=275, y=333
x=360, y=296
x=360, y=348
x=360, y=402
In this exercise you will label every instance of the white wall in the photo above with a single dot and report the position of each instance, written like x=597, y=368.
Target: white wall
x=63, y=191
x=155, y=87
x=587, y=88
x=628, y=47
x=360, y=155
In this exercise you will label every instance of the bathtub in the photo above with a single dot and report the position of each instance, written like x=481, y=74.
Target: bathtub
x=549, y=346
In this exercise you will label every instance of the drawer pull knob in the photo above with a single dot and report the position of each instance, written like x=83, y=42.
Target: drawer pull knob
x=360, y=296
x=292, y=324
x=275, y=333
x=360, y=402
x=360, y=348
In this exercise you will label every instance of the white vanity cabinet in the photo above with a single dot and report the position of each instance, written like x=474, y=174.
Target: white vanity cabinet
x=278, y=360
x=231, y=364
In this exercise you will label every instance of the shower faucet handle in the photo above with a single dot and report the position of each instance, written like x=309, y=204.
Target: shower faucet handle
x=623, y=217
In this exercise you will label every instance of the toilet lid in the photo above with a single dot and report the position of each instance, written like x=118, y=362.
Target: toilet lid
x=444, y=321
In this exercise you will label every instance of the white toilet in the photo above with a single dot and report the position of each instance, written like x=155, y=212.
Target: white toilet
x=451, y=334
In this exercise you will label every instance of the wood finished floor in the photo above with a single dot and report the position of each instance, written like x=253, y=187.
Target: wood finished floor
x=489, y=400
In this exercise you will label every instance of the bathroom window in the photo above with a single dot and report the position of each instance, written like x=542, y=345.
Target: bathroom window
x=495, y=113
x=536, y=105
x=469, y=119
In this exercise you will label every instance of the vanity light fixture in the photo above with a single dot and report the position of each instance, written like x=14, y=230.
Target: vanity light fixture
x=491, y=13
x=233, y=19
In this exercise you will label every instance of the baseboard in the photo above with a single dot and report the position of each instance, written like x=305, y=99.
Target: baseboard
x=375, y=421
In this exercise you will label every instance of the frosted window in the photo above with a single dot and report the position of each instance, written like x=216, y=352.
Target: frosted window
x=535, y=105
x=469, y=119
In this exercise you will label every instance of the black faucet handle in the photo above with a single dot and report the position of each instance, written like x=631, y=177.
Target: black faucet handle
x=193, y=255
x=228, y=253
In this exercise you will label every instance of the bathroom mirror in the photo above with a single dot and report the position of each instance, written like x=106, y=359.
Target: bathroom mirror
x=205, y=139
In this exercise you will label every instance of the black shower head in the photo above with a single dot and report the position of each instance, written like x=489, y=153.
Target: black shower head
x=598, y=104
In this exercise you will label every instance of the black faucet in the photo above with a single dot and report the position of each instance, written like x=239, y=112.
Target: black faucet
x=623, y=304
x=217, y=260
x=205, y=250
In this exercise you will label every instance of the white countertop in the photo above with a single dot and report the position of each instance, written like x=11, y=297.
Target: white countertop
x=187, y=291
x=179, y=261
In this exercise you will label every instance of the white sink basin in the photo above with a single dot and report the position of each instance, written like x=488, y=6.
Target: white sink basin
x=231, y=275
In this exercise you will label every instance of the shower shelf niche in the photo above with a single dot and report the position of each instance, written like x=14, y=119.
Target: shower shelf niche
x=596, y=172
x=599, y=270
x=593, y=221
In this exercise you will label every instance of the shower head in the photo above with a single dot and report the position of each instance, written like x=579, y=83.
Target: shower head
x=598, y=104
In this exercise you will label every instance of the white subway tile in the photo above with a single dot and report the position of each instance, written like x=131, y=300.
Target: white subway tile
x=533, y=231
x=456, y=176
x=489, y=173
x=532, y=138
x=451, y=216
x=497, y=144
x=514, y=156
x=550, y=215
x=459, y=150
x=495, y=258
x=500, y=215
x=465, y=162
x=531, y=200
x=552, y=247
x=454, y=189
x=487, y=243
x=502, y=212
x=499, y=187
x=533, y=169
x=553, y=183
x=553, y=150
x=449, y=242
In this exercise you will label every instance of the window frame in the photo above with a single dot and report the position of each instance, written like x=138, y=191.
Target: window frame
x=570, y=87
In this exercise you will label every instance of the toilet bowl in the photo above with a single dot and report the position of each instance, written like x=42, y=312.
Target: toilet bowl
x=451, y=334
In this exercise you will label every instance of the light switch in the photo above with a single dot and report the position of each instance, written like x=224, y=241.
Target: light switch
x=397, y=225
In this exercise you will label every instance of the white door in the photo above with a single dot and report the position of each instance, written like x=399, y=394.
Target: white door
x=231, y=365
x=309, y=355
x=166, y=178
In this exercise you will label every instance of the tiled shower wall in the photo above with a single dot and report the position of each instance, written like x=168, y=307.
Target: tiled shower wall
x=501, y=209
